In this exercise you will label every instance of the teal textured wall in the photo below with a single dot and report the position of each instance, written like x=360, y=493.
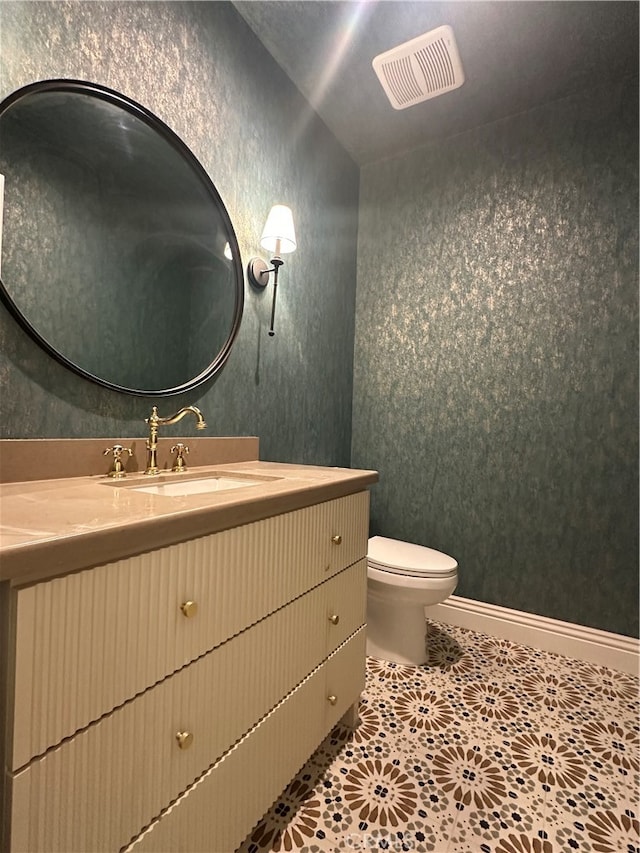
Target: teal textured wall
x=202, y=71
x=496, y=360
x=495, y=376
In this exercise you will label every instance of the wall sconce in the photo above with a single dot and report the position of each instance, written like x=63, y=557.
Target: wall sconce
x=278, y=237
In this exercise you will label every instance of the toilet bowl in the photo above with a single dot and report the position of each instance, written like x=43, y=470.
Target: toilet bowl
x=403, y=579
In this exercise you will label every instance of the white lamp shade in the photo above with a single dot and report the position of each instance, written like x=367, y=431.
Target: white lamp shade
x=278, y=234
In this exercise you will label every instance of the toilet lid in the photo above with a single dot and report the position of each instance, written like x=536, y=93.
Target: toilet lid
x=404, y=558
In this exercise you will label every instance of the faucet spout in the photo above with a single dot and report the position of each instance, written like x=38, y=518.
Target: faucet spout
x=194, y=410
x=155, y=421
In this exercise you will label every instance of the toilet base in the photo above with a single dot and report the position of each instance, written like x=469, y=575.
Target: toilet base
x=396, y=632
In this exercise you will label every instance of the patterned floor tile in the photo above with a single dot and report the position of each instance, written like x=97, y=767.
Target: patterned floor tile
x=490, y=747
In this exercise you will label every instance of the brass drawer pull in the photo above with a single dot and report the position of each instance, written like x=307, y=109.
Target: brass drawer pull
x=337, y=539
x=334, y=618
x=185, y=739
x=189, y=608
x=332, y=699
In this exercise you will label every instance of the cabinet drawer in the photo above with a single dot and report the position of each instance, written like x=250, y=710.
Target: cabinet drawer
x=88, y=642
x=59, y=798
x=212, y=815
x=344, y=679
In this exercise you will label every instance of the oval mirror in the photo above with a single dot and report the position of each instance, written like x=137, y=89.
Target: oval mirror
x=118, y=255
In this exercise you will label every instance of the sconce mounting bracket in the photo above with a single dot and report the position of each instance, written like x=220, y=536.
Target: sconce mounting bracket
x=258, y=272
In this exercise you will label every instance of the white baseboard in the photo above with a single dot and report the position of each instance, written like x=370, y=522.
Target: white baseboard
x=550, y=635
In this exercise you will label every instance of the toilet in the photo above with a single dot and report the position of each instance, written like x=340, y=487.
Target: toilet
x=403, y=579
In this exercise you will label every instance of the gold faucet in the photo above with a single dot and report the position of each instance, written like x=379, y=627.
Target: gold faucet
x=155, y=421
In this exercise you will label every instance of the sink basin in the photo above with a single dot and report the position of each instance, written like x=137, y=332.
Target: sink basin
x=195, y=487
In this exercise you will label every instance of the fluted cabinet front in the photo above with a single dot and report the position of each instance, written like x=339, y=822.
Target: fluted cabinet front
x=134, y=680
x=220, y=809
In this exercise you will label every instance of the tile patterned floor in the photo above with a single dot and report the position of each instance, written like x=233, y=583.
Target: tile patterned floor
x=491, y=747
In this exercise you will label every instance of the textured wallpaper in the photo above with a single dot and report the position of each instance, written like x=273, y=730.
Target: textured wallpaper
x=200, y=69
x=496, y=361
x=494, y=381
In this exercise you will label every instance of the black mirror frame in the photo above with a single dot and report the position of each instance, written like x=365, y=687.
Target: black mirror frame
x=151, y=120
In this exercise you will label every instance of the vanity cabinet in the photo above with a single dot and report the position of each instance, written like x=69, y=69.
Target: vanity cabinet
x=162, y=702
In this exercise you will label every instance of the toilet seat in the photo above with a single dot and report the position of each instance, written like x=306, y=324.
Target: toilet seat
x=405, y=558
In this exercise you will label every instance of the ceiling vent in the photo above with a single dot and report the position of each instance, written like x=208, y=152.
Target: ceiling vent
x=422, y=68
